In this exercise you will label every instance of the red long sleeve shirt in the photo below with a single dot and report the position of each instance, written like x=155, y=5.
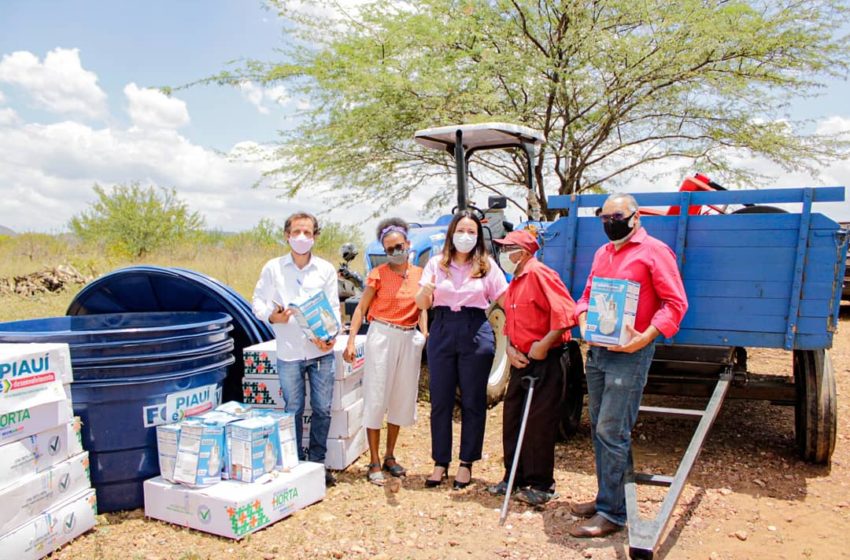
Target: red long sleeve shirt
x=537, y=302
x=652, y=264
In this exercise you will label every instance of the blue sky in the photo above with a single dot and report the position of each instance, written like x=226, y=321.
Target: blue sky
x=75, y=109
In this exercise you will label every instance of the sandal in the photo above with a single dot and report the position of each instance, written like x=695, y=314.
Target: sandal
x=431, y=483
x=396, y=470
x=375, y=477
x=457, y=485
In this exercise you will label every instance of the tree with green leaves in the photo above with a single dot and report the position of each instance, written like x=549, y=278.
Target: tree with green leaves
x=615, y=85
x=132, y=220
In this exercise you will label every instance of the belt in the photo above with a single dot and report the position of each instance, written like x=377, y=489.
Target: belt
x=392, y=326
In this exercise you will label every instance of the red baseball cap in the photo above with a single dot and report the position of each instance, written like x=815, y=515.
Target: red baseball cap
x=520, y=238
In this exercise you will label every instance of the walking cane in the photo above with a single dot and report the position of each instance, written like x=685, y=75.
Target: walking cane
x=504, y=513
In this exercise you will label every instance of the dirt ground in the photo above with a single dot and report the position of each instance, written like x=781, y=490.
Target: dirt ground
x=748, y=497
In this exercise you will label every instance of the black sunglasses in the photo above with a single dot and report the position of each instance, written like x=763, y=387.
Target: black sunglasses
x=395, y=249
x=616, y=217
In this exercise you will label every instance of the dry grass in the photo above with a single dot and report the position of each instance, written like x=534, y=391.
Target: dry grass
x=238, y=267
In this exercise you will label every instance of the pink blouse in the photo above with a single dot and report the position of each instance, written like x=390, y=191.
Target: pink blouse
x=456, y=289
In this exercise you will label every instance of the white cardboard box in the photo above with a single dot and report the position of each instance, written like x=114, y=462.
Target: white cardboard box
x=264, y=392
x=261, y=359
x=57, y=526
x=39, y=452
x=344, y=423
x=251, y=449
x=612, y=305
x=26, y=369
x=200, y=452
x=34, y=494
x=342, y=452
x=167, y=439
x=20, y=423
x=235, y=509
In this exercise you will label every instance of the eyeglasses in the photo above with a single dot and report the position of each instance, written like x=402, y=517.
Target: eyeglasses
x=395, y=249
x=616, y=217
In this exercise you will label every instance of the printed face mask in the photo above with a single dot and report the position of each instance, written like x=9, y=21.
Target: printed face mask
x=506, y=263
x=301, y=244
x=464, y=242
x=617, y=230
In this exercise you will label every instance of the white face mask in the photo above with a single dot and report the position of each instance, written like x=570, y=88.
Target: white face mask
x=506, y=263
x=464, y=242
x=301, y=244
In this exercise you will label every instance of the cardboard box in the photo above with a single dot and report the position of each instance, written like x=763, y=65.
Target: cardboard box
x=200, y=453
x=261, y=359
x=34, y=494
x=39, y=452
x=52, y=408
x=612, y=305
x=285, y=442
x=251, y=451
x=344, y=423
x=315, y=316
x=264, y=392
x=342, y=452
x=235, y=509
x=167, y=439
x=57, y=526
x=26, y=369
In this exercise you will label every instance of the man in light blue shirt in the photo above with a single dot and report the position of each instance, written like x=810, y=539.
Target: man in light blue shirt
x=282, y=280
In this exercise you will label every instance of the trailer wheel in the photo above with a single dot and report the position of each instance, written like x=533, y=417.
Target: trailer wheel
x=573, y=401
x=815, y=418
x=497, y=382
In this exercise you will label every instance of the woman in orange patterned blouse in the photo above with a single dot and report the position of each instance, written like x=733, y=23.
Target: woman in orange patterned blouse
x=393, y=346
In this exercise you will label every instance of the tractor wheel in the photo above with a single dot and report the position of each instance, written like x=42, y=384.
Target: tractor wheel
x=573, y=400
x=815, y=418
x=497, y=382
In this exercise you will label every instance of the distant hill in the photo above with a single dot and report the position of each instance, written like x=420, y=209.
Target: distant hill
x=6, y=231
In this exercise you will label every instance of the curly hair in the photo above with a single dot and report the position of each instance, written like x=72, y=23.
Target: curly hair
x=389, y=225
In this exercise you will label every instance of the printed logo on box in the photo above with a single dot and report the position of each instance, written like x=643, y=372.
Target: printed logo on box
x=27, y=366
x=246, y=518
x=282, y=501
x=69, y=523
x=204, y=514
x=12, y=418
x=180, y=405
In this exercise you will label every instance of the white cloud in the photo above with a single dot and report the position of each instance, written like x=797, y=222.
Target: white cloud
x=59, y=84
x=260, y=96
x=8, y=117
x=150, y=108
x=2, y=98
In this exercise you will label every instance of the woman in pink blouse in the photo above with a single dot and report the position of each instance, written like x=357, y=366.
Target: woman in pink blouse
x=460, y=284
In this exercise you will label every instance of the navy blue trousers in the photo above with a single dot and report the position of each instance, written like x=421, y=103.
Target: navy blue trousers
x=461, y=347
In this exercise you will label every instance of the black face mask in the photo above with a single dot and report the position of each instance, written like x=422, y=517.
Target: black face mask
x=616, y=230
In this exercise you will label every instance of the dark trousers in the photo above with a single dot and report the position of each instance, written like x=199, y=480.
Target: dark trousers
x=537, y=458
x=461, y=346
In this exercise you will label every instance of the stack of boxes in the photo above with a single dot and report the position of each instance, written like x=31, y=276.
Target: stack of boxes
x=45, y=487
x=347, y=436
x=231, y=471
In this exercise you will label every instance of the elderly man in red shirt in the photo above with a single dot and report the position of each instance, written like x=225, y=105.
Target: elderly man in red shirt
x=539, y=313
x=616, y=375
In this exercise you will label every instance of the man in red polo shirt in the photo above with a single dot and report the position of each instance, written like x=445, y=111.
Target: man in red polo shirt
x=616, y=375
x=539, y=313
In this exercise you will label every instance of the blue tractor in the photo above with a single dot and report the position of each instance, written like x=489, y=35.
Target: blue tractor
x=427, y=240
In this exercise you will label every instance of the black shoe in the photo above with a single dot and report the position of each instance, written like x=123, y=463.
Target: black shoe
x=330, y=479
x=431, y=483
x=461, y=485
x=535, y=497
x=498, y=489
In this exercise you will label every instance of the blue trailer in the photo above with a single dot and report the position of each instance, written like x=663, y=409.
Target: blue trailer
x=756, y=277
x=766, y=280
